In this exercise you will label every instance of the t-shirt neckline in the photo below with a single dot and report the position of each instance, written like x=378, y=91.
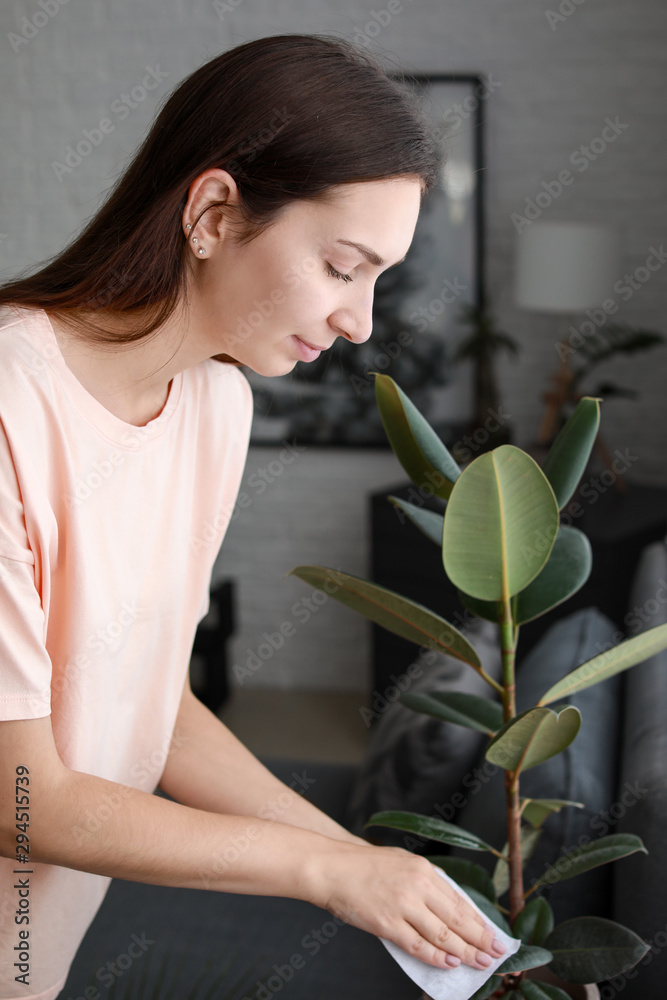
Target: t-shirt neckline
x=120, y=432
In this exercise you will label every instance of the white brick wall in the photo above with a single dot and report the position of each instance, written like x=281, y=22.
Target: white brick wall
x=557, y=84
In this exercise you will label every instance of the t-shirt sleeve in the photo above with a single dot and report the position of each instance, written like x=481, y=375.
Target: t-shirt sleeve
x=25, y=665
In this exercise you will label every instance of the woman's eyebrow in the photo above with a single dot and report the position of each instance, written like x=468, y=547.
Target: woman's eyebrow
x=369, y=254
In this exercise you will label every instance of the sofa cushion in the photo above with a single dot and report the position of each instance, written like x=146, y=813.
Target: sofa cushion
x=414, y=761
x=584, y=772
x=640, y=881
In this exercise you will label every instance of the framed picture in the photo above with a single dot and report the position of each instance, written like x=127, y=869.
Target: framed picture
x=416, y=307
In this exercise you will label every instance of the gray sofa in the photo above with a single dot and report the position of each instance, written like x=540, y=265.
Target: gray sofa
x=617, y=766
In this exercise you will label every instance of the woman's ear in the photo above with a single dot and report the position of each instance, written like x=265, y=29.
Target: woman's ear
x=213, y=197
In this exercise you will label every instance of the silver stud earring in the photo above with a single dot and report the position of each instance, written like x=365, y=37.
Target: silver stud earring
x=195, y=239
x=188, y=225
x=201, y=250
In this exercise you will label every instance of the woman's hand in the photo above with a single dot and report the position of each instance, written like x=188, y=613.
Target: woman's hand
x=401, y=897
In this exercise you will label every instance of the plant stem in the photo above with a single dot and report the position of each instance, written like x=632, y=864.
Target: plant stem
x=508, y=635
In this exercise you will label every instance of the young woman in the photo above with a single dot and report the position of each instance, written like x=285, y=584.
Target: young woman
x=278, y=181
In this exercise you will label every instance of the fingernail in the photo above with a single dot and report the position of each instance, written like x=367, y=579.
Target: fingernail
x=453, y=961
x=483, y=959
x=498, y=948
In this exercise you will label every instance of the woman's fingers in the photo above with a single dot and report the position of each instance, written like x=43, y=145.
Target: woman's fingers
x=462, y=929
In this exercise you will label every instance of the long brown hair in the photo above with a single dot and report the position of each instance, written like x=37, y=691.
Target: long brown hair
x=288, y=116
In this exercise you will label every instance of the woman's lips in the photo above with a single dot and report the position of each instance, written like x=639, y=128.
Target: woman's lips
x=306, y=351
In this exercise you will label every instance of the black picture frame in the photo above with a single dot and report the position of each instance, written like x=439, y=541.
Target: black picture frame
x=415, y=315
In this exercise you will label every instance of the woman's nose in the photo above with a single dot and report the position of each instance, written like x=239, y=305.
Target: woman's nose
x=355, y=323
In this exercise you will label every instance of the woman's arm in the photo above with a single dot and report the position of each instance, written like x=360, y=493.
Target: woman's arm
x=145, y=838
x=209, y=768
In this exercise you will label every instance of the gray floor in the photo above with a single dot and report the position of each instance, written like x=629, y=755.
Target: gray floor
x=317, y=725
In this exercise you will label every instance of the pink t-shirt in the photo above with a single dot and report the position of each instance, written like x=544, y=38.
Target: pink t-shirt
x=108, y=535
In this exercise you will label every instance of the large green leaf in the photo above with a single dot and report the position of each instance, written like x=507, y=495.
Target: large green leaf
x=527, y=957
x=626, y=654
x=535, y=922
x=431, y=828
x=536, y=811
x=533, y=737
x=569, y=454
x=598, y=852
x=591, y=949
x=467, y=874
x=500, y=525
x=530, y=990
x=396, y=613
x=501, y=873
x=462, y=709
x=566, y=571
x=428, y=521
x=414, y=442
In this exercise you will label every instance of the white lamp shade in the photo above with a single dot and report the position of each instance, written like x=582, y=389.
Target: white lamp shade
x=565, y=267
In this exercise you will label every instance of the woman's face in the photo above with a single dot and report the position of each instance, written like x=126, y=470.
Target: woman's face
x=288, y=294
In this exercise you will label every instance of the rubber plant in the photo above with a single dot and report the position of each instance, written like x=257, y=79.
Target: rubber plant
x=511, y=560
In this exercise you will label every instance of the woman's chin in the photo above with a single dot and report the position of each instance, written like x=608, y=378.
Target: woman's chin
x=275, y=369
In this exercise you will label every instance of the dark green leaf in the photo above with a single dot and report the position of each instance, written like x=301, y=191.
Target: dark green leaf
x=534, y=923
x=569, y=454
x=627, y=654
x=533, y=737
x=599, y=852
x=392, y=611
x=591, y=949
x=489, y=987
x=489, y=910
x=467, y=874
x=414, y=442
x=537, y=810
x=531, y=990
x=461, y=709
x=429, y=827
x=428, y=521
x=567, y=570
x=527, y=957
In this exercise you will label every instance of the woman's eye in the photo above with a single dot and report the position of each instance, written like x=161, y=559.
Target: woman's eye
x=336, y=274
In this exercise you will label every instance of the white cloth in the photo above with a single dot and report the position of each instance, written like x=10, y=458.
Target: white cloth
x=452, y=984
